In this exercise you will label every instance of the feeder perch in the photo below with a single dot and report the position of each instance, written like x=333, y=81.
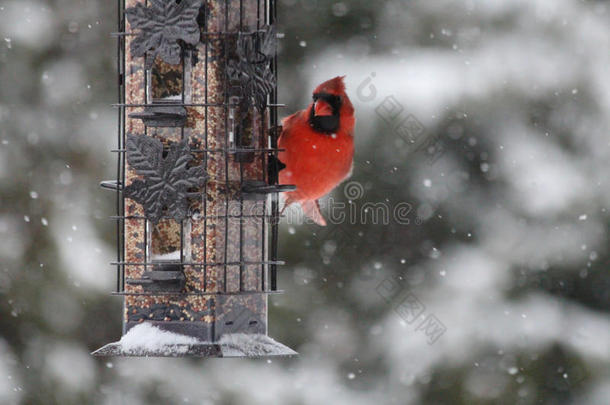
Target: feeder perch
x=164, y=113
x=197, y=178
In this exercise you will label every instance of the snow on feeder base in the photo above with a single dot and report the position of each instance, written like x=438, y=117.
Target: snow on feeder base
x=197, y=192
x=145, y=340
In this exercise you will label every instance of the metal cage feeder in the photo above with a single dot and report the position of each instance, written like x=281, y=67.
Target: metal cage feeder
x=197, y=178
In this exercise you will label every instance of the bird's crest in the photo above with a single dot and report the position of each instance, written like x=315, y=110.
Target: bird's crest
x=332, y=86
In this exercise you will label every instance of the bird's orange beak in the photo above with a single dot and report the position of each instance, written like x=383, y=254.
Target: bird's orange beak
x=322, y=108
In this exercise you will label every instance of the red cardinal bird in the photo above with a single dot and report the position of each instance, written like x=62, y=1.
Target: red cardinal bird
x=318, y=145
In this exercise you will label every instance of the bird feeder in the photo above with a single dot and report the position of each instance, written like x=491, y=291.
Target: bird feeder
x=197, y=178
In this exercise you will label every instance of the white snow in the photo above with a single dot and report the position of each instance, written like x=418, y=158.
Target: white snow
x=87, y=251
x=70, y=367
x=145, y=337
x=11, y=389
x=167, y=256
x=27, y=22
x=535, y=226
x=243, y=344
x=12, y=246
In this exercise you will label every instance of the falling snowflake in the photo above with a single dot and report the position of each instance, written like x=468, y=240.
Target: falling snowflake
x=164, y=190
x=161, y=26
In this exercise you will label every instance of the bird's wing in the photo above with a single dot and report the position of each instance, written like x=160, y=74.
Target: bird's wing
x=289, y=122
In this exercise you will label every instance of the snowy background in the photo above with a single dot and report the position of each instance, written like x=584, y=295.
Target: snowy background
x=505, y=242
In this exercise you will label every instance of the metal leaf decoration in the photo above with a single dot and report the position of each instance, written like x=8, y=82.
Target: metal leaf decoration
x=252, y=68
x=164, y=190
x=161, y=25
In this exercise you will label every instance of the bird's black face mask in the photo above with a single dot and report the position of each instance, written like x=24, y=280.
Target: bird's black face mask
x=326, y=123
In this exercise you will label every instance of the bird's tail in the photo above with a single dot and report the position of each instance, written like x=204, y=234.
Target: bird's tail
x=288, y=201
x=311, y=209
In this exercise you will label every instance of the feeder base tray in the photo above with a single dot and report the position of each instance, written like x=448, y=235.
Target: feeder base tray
x=230, y=345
